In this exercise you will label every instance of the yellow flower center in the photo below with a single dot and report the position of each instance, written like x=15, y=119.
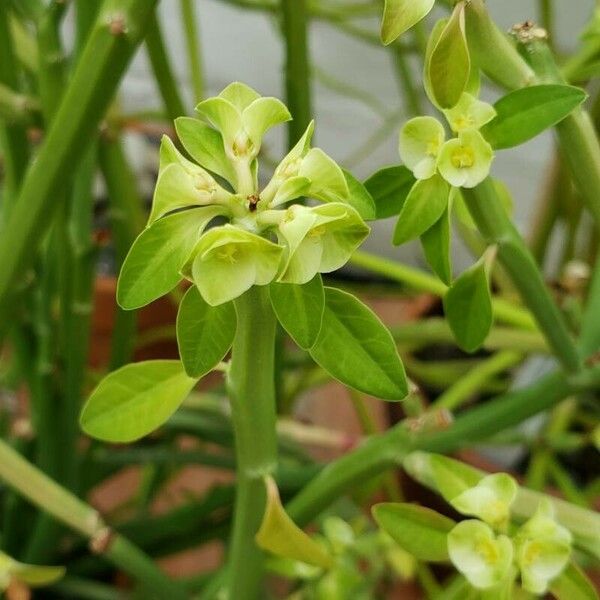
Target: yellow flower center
x=463, y=122
x=242, y=144
x=317, y=231
x=463, y=158
x=433, y=147
x=228, y=254
x=531, y=554
x=488, y=551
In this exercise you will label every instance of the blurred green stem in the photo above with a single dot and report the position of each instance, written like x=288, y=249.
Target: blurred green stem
x=194, y=54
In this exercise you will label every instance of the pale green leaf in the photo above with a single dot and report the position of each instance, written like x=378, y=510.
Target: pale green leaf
x=401, y=15
x=135, y=400
x=240, y=95
x=281, y=536
x=205, y=145
x=424, y=205
x=389, y=188
x=449, y=65
x=261, y=115
x=420, y=531
x=525, y=113
x=204, y=333
x=468, y=307
x=299, y=309
x=152, y=266
x=224, y=116
x=356, y=348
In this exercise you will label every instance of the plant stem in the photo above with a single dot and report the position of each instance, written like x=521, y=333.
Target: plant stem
x=492, y=221
x=297, y=67
x=386, y=450
x=126, y=221
x=115, y=36
x=194, y=54
x=252, y=392
x=423, y=282
x=67, y=508
x=472, y=382
x=161, y=67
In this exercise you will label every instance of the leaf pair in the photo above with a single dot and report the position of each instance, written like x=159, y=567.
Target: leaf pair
x=343, y=336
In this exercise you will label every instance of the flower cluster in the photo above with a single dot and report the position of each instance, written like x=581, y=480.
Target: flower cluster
x=463, y=161
x=539, y=550
x=266, y=237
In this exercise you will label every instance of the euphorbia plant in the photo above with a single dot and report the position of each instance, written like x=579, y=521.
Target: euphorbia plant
x=259, y=264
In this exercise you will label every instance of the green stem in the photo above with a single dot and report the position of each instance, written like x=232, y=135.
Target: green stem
x=252, y=392
x=194, y=54
x=111, y=44
x=83, y=519
x=423, y=282
x=388, y=449
x=297, y=67
x=404, y=76
x=473, y=381
x=488, y=213
x=126, y=221
x=161, y=67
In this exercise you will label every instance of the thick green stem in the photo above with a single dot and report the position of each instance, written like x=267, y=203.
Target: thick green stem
x=388, y=449
x=492, y=221
x=112, y=42
x=194, y=54
x=423, y=282
x=83, y=519
x=161, y=67
x=252, y=391
x=297, y=66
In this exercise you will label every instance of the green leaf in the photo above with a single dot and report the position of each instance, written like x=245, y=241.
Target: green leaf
x=281, y=536
x=205, y=145
x=356, y=348
x=468, y=307
x=204, y=333
x=525, y=113
x=573, y=584
x=401, y=15
x=449, y=66
x=135, y=400
x=425, y=204
x=359, y=197
x=299, y=309
x=420, y=531
x=31, y=575
x=436, y=247
x=152, y=266
x=389, y=188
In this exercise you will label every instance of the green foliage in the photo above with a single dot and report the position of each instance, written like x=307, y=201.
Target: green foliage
x=468, y=307
x=525, y=113
x=134, y=400
x=356, y=348
x=300, y=309
x=359, y=197
x=573, y=584
x=449, y=66
x=425, y=204
x=389, y=188
x=419, y=530
x=436, y=247
x=401, y=15
x=204, y=333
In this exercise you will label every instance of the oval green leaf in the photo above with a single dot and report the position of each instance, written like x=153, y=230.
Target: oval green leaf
x=133, y=401
x=204, y=333
x=468, y=307
x=152, y=266
x=425, y=204
x=401, y=15
x=525, y=113
x=420, y=531
x=356, y=348
x=299, y=309
x=281, y=536
x=359, y=197
x=389, y=188
x=436, y=247
x=449, y=65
